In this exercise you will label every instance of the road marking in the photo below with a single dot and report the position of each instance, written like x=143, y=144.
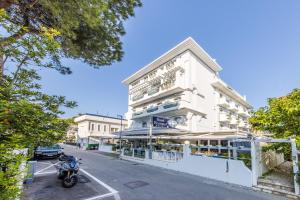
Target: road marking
x=102, y=196
x=113, y=192
x=44, y=173
x=45, y=163
x=46, y=168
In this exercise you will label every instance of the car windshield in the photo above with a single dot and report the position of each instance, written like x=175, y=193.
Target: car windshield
x=48, y=147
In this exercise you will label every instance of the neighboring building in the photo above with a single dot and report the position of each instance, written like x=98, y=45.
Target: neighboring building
x=184, y=85
x=91, y=127
x=72, y=133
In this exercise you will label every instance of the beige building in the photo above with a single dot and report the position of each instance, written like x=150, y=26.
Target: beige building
x=72, y=133
x=91, y=127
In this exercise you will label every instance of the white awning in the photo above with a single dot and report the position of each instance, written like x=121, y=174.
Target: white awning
x=155, y=131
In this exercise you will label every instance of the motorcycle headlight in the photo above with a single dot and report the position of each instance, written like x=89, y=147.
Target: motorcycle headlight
x=65, y=166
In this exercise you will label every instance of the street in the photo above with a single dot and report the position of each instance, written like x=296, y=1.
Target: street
x=142, y=182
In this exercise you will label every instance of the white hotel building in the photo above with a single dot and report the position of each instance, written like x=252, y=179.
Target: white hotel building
x=184, y=85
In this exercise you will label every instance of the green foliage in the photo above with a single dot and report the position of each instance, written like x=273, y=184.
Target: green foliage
x=38, y=34
x=89, y=30
x=281, y=118
x=9, y=172
x=28, y=118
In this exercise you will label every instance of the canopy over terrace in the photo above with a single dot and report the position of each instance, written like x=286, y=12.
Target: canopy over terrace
x=175, y=134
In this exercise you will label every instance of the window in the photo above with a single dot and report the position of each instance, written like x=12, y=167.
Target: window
x=104, y=128
x=92, y=127
x=224, y=143
x=213, y=142
x=144, y=124
x=98, y=127
x=89, y=126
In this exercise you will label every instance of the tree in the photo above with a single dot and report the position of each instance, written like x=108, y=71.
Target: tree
x=281, y=118
x=89, y=30
x=28, y=117
x=38, y=33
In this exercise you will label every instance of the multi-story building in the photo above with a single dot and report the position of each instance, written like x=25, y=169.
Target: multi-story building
x=184, y=85
x=72, y=131
x=91, y=127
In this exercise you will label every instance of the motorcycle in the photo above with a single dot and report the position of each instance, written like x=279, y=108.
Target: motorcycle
x=68, y=170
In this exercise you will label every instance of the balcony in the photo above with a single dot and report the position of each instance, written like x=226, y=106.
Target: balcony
x=154, y=94
x=224, y=102
x=168, y=106
x=152, y=109
x=153, y=90
x=242, y=124
x=233, y=121
x=243, y=112
x=233, y=107
x=137, y=97
x=224, y=117
x=137, y=113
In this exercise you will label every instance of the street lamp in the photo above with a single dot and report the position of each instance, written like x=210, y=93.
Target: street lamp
x=120, y=134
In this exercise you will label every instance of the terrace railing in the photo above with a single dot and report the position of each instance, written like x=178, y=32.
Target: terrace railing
x=167, y=155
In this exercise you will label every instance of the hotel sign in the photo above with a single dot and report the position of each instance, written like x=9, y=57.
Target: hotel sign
x=160, y=122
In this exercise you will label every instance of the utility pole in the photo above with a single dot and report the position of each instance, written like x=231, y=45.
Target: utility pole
x=150, y=137
x=120, y=134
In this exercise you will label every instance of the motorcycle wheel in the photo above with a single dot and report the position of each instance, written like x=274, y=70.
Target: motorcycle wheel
x=61, y=175
x=69, y=182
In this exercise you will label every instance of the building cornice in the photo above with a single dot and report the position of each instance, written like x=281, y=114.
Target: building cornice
x=223, y=87
x=187, y=44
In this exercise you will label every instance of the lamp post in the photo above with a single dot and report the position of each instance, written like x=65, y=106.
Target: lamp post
x=120, y=135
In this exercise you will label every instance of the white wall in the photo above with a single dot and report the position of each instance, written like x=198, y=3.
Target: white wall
x=231, y=171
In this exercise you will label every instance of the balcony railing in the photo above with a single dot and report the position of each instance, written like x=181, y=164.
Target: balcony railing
x=161, y=108
x=224, y=102
x=152, y=109
x=243, y=112
x=224, y=117
x=153, y=90
x=138, y=113
x=233, y=107
x=137, y=97
x=242, y=124
x=233, y=121
x=170, y=105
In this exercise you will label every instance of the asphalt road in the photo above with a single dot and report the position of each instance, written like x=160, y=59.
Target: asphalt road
x=142, y=182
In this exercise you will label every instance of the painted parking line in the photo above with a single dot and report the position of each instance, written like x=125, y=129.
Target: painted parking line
x=39, y=172
x=103, y=196
x=45, y=163
x=112, y=191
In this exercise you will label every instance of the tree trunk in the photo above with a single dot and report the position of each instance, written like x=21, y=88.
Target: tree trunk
x=1, y=68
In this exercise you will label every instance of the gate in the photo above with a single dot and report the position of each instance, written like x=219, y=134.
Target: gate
x=257, y=165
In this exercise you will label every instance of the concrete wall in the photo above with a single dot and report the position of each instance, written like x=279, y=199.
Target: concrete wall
x=105, y=148
x=231, y=171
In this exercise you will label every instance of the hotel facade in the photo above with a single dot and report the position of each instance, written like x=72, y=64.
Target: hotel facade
x=184, y=85
x=91, y=127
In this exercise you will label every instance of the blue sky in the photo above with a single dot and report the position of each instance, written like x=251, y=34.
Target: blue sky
x=256, y=42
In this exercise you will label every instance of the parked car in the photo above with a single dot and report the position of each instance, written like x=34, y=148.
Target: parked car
x=48, y=151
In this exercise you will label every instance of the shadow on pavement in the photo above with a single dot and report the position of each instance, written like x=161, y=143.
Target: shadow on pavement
x=48, y=186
